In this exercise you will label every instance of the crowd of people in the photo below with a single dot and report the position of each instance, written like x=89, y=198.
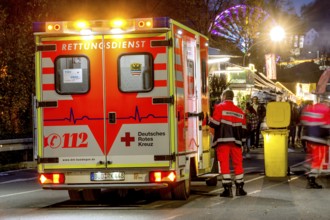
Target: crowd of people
x=255, y=115
x=236, y=129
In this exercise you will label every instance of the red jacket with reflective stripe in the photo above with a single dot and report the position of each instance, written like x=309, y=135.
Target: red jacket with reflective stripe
x=229, y=124
x=316, y=121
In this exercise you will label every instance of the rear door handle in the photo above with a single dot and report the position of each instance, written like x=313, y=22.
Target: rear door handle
x=112, y=117
x=200, y=115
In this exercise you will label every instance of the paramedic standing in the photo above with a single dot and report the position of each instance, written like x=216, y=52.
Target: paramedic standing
x=316, y=130
x=229, y=125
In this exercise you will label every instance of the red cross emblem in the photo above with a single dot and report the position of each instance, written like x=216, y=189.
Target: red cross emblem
x=127, y=139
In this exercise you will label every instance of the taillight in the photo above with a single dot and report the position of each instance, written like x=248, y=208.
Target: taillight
x=51, y=178
x=162, y=176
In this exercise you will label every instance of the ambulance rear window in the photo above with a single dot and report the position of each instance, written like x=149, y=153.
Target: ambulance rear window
x=135, y=72
x=72, y=75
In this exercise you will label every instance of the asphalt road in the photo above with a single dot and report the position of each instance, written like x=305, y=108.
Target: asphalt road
x=268, y=198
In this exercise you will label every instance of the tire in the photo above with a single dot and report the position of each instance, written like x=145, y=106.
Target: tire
x=91, y=194
x=181, y=190
x=212, y=181
x=75, y=195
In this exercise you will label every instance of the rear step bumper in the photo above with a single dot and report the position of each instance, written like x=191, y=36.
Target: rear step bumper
x=106, y=186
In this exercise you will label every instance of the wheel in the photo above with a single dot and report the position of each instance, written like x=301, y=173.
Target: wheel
x=75, y=195
x=91, y=194
x=181, y=190
x=212, y=181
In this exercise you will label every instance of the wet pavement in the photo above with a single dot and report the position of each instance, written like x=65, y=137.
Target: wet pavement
x=254, y=161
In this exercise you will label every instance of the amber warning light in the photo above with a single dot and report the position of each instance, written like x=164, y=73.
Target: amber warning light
x=53, y=27
x=144, y=23
x=101, y=26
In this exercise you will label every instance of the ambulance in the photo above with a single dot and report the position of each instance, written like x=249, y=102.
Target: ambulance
x=122, y=105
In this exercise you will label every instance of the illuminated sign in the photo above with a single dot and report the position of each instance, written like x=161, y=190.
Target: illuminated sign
x=241, y=77
x=106, y=45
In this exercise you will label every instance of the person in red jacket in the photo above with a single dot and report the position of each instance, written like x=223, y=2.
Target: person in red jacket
x=229, y=125
x=316, y=129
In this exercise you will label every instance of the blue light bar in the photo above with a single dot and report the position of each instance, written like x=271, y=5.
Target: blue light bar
x=161, y=22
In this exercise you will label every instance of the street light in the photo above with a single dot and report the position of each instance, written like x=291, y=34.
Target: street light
x=276, y=34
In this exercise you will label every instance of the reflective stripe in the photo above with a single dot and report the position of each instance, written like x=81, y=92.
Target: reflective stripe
x=224, y=181
x=314, y=123
x=314, y=139
x=239, y=177
x=214, y=121
x=312, y=115
x=326, y=126
x=231, y=123
x=314, y=173
x=223, y=140
x=226, y=176
x=229, y=139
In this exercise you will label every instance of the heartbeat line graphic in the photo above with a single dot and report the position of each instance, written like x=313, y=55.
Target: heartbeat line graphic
x=138, y=117
x=74, y=119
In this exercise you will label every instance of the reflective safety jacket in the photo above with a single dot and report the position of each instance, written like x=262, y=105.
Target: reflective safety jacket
x=316, y=121
x=229, y=124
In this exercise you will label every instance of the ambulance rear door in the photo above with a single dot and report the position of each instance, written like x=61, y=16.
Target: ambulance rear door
x=186, y=92
x=71, y=100
x=137, y=100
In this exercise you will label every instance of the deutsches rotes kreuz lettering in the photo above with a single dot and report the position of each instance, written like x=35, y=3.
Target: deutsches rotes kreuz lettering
x=146, y=139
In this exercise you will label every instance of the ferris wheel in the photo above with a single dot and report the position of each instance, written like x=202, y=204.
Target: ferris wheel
x=242, y=24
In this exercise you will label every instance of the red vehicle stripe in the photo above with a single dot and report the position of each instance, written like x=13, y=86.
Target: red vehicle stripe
x=160, y=83
x=48, y=87
x=179, y=84
x=160, y=66
x=48, y=70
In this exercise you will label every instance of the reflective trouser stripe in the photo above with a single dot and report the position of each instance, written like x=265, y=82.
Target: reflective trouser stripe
x=226, y=178
x=314, y=173
x=239, y=178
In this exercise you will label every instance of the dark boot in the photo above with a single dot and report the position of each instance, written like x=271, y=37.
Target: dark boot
x=239, y=189
x=312, y=184
x=228, y=191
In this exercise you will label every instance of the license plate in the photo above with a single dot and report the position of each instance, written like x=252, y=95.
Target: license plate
x=102, y=176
